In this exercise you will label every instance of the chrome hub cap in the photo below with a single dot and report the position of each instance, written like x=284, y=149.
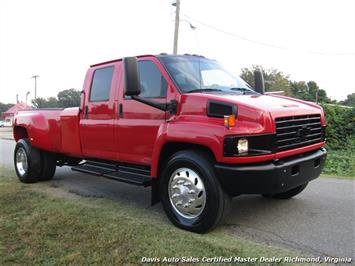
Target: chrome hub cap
x=187, y=193
x=21, y=161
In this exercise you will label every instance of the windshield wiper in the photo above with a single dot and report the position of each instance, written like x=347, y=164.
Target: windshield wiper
x=243, y=90
x=202, y=90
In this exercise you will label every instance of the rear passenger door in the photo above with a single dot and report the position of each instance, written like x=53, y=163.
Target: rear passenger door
x=139, y=123
x=97, y=118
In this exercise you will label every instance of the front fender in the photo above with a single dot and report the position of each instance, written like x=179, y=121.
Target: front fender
x=188, y=133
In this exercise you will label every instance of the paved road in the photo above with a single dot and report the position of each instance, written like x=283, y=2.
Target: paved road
x=319, y=221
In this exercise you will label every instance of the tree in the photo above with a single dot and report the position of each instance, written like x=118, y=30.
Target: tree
x=350, y=100
x=322, y=97
x=308, y=91
x=299, y=90
x=50, y=102
x=313, y=88
x=69, y=98
x=66, y=98
x=5, y=106
x=275, y=80
x=39, y=102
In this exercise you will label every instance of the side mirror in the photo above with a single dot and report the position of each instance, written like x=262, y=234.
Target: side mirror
x=82, y=100
x=259, y=81
x=131, y=76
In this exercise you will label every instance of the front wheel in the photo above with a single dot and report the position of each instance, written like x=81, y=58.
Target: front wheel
x=191, y=195
x=287, y=194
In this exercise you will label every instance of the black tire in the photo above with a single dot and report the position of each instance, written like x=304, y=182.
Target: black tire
x=49, y=164
x=217, y=202
x=34, y=162
x=287, y=194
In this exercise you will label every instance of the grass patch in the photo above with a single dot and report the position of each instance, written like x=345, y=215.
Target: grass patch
x=39, y=228
x=340, y=164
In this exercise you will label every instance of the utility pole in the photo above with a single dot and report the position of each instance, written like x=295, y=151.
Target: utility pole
x=177, y=21
x=27, y=96
x=35, y=77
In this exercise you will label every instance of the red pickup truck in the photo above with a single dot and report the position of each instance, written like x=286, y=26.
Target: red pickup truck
x=183, y=125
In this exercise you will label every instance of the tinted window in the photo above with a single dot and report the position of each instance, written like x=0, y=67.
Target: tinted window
x=153, y=84
x=101, y=84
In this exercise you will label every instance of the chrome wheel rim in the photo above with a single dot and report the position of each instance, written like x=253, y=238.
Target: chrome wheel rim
x=21, y=161
x=187, y=193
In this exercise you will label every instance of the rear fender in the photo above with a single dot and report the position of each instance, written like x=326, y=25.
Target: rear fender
x=43, y=131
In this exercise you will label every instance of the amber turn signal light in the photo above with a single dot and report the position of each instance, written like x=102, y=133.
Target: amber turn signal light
x=229, y=121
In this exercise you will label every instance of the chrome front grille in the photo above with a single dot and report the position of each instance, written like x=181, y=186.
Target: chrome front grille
x=297, y=131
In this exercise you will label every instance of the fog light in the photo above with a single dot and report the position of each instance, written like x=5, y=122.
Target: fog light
x=242, y=146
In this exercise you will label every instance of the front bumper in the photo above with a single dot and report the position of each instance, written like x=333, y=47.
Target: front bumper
x=271, y=177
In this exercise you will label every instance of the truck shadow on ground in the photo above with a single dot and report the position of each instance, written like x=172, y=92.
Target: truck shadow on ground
x=245, y=210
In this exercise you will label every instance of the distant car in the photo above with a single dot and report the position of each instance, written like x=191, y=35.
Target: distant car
x=2, y=123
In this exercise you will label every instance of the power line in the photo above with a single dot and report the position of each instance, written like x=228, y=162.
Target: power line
x=235, y=35
x=263, y=43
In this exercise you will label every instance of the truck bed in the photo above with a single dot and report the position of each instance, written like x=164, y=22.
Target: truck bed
x=51, y=129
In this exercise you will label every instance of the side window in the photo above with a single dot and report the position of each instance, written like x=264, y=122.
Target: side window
x=153, y=84
x=101, y=84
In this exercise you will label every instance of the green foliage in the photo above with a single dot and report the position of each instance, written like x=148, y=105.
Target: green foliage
x=66, y=98
x=69, y=98
x=275, y=80
x=322, y=97
x=308, y=91
x=50, y=102
x=340, y=163
x=300, y=90
x=340, y=130
x=340, y=134
x=5, y=106
x=350, y=100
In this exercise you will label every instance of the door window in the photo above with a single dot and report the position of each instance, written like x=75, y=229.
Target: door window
x=101, y=84
x=153, y=84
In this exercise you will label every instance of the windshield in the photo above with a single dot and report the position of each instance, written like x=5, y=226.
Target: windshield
x=198, y=74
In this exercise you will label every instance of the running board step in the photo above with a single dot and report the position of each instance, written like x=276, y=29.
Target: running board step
x=123, y=173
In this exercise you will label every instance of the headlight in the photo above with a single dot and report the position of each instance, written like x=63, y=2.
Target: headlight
x=242, y=146
x=249, y=145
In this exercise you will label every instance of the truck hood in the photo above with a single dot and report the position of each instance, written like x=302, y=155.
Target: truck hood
x=255, y=113
x=276, y=105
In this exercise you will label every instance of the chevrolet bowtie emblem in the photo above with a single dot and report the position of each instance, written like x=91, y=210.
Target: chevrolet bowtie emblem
x=303, y=132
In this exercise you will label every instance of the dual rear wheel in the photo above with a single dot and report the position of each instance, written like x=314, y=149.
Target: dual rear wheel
x=31, y=164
